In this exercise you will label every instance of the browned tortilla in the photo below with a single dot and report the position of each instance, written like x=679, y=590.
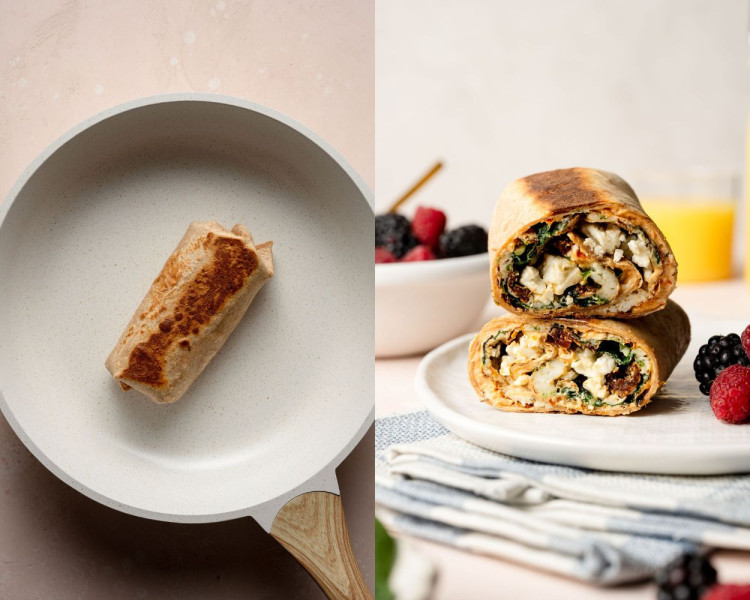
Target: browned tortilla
x=201, y=294
x=663, y=336
x=555, y=194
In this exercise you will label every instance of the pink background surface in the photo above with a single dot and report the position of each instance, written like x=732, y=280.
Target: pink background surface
x=61, y=62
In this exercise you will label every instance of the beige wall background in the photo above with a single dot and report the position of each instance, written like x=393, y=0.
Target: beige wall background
x=502, y=89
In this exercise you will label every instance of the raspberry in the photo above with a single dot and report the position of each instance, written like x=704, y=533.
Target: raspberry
x=383, y=256
x=419, y=253
x=728, y=592
x=427, y=225
x=746, y=340
x=730, y=394
x=463, y=241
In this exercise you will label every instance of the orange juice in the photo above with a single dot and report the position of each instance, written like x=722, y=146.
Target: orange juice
x=747, y=203
x=700, y=233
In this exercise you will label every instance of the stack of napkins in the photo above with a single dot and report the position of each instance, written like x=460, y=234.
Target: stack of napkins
x=596, y=526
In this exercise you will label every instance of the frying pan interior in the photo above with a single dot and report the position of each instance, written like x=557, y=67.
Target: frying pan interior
x=86, y=230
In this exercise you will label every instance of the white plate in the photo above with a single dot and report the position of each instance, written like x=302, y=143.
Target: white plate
x=676, y=434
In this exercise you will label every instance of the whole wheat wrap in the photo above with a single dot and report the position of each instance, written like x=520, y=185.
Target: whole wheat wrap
x=594, y=366
x=577, y=242
x=192, y=307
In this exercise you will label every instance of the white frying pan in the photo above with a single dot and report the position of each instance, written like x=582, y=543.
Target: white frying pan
x=82, y=235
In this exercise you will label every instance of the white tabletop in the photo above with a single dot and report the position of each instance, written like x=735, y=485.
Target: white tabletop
x=464, y=575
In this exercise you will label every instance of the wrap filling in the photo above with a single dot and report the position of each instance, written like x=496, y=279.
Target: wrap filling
x=583, y=259
x=558, y=367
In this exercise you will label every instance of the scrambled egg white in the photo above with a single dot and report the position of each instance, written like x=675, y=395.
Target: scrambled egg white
x=594, y=369
x=557, y=275
x=603, y=247
x=602, y=240
x=534, y=369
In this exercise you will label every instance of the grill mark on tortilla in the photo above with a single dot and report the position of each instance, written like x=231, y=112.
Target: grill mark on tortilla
x=203, y=297
x=561, y=190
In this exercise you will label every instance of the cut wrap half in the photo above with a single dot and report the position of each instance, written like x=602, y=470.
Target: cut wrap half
x=577, y=242
x=595, y=366
x=197, y=300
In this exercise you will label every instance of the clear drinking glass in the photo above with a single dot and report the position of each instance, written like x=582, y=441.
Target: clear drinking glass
x=695, y=209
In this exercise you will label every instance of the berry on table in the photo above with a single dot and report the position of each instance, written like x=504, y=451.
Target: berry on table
x=393, y=232
x=427, y=225
x=728, y=592
x=730, y=394
x=417, y=253
x=746, y=340
x=383, y=256
x=686, y=578
x=463, y=241
x=720, y=352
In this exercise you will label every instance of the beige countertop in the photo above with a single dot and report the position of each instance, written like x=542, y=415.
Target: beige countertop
x=61, y=62
x=463, y=575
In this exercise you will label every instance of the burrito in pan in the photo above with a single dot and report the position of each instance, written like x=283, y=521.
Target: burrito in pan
x=201, y=294
x=594, y=366
x=577, y=242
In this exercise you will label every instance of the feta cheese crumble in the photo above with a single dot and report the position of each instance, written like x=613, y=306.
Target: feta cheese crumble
x=602, y=240
x=595, y=370
x=560, y=273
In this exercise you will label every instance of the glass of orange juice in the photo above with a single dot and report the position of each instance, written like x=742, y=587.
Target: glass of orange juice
x=695, y=210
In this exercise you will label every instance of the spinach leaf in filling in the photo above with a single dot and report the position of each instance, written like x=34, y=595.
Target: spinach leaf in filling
x=527, y=254
x=622, y=353
x=493, y=359
x=589, y=301
x=580, y=394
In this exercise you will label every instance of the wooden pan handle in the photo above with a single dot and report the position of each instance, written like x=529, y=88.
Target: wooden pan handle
x=313, y=529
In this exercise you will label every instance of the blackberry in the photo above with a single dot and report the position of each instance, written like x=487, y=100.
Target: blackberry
x=463, y=241
x=393, y=232
x=713, y=357
x=686, y=578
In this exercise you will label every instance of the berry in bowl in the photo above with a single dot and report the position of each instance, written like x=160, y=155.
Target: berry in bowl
x=431, y=283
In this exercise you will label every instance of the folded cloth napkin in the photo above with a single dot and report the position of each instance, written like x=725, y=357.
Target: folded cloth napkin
x=598, y=526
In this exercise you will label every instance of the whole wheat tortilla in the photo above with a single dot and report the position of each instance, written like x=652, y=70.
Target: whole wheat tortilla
x=555, y=194
x=197, y=300
x=663, y=336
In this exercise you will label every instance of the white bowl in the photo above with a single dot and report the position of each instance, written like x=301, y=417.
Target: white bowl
x=420, y=305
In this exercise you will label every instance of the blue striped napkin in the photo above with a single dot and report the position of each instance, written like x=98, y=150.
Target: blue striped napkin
x=597, y=526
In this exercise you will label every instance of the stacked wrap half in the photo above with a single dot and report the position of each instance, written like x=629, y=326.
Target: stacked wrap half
x=194, y=304
x=572, y=251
